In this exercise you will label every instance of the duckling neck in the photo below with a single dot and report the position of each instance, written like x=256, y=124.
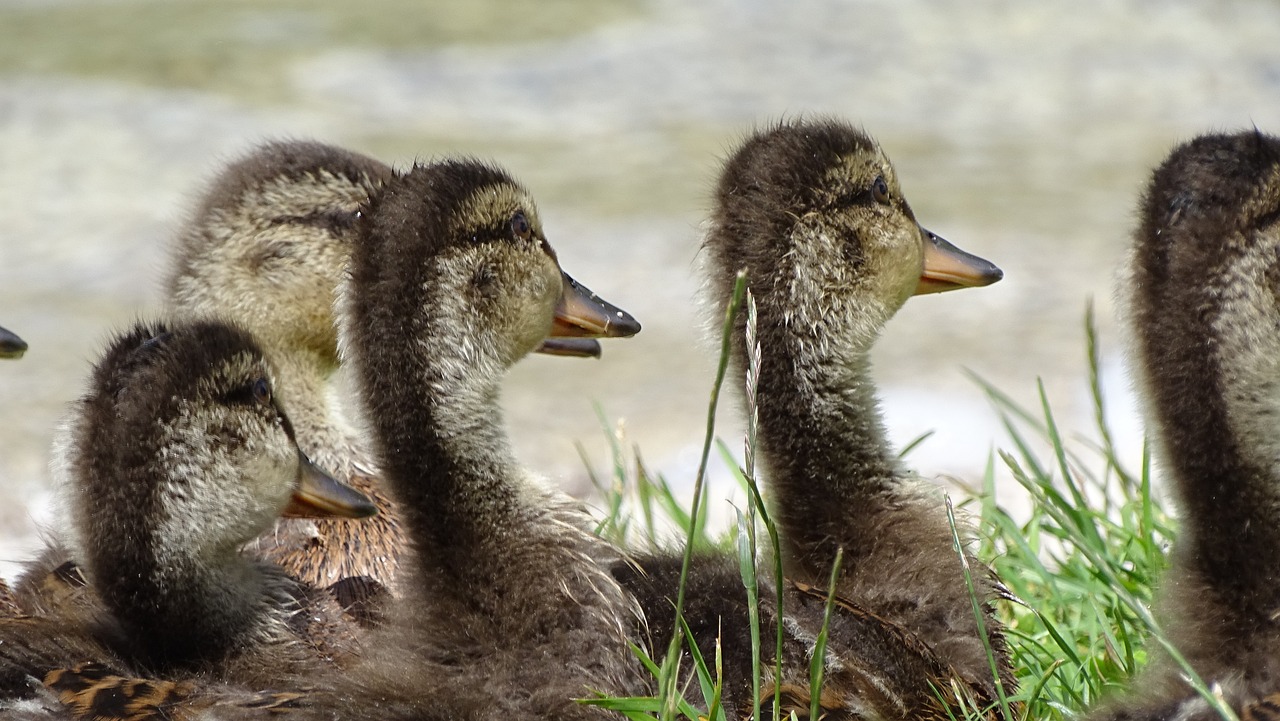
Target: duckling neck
x=1216, y=406
x=182, y=606
x=451, y=465
x=304, y=381
x=822, y=441
x=493, y=545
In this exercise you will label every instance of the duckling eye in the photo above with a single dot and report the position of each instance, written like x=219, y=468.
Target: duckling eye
x=520, y=227
x=262, y=391
x=880, y=190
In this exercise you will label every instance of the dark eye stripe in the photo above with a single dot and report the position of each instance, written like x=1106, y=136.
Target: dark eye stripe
x=334, y=221
x=876, y=192
x=257, y=392
x=860, y=197
x=240, y=395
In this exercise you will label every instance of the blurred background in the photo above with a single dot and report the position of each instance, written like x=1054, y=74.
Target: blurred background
x=1022, y=132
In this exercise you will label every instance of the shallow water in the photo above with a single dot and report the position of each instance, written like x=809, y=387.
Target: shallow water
x=1021, y=132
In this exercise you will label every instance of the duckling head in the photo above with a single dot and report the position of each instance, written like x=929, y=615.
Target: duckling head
x=182, y=436
x=11, y=346
x=453, y=254
x=1202, y=288
x=1204, y=303
x=179, y=456
x=813, y=211
x=268, y=246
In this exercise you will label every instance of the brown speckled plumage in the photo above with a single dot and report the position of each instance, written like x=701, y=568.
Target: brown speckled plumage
x=1202, y=286
x=8, y=603
x=95, y=692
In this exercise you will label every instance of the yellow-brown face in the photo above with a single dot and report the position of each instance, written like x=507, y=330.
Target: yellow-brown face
x=511, y=285
x=865, y=218
x=231, y=430
x=813, y=212
x=240, y=467
x=180, y=447
x=852, y=256
x=894, y=256
x=453, y=256
x=515, y=284
x=274, y=258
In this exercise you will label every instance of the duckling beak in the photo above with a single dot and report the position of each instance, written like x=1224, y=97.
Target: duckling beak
x=571, y=347
x=320, y=494
x=580, y=315
x=11, y=346
x=946, y=267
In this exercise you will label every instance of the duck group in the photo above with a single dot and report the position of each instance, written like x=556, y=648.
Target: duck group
x=240, y=541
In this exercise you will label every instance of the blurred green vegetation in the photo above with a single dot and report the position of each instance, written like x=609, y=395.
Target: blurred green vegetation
x=244, y=48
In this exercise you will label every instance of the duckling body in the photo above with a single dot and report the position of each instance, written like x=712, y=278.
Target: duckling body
x=452, y=282
x=176, y=456
x=813, y=212
x=1201, y=301
x=11, y=346
x=267, y=248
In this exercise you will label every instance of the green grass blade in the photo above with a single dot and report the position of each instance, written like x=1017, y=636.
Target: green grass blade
x=978, y=603
x=818, y=662
x=747, y=560
x=699, y=484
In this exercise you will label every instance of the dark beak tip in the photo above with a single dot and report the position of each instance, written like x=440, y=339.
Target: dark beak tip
x=11, y=346
x=626, y=325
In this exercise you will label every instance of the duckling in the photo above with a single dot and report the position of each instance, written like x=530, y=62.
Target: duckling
x=267, y=247
x=1199, y=287
x=176, y=456
x=452, y=282
x=11, y=346
x=814, y=213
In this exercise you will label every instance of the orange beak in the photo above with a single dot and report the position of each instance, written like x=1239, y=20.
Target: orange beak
x=946, y=267
x=320, y=494
x=581, y=316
